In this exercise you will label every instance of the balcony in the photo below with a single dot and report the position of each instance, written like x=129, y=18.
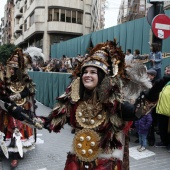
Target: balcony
x=17, y=29
x=35, y=28
x=55, y=26
x=21, y=6
x=17, y=13
x=33, y=6
x=19, y=40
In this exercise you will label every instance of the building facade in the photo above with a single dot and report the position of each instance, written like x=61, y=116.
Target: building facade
x=134, y=9
x=167, y=5
x=131, y=10
x=2, y=31
x=0, y=36
x=41, y=23
x=8, y=23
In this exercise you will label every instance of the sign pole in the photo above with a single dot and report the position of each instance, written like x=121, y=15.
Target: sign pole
x=158, y=9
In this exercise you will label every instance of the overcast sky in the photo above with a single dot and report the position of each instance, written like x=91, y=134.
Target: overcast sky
x=110, y=13
x=2, y=4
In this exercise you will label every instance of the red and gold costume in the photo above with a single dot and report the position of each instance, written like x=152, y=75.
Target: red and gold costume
x=17, y=89
x=101, y=118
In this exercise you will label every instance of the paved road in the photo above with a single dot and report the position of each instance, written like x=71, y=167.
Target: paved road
x=51, y=150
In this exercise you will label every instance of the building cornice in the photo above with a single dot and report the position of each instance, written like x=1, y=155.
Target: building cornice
x=61, y=7
x=65, y=32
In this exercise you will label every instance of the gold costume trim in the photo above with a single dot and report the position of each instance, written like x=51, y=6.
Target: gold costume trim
x=75, y=90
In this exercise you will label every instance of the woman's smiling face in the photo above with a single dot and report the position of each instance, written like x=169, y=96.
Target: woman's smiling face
x=90, y=78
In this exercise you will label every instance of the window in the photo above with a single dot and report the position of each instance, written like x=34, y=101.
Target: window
x=68, y=16
x=62, y=15
x=56, y=14
x=73, y=16
x=25, y=5
x=50, y=14
x=17, y=21
x=25, y=25
x=32, y=19
x=79, y=17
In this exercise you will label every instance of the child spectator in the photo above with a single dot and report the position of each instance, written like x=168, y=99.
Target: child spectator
x=151, y=135
x=142, y=126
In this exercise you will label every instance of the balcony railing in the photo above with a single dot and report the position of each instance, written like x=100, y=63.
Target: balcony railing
x=19, y=40
x=64, y=27
x=17, y=14
x=17, y=29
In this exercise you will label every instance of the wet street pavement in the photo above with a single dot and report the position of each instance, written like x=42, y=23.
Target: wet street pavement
x=51, y=151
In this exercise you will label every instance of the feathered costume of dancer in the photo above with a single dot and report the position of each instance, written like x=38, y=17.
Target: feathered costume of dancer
x=102, y=117
x=18, y=90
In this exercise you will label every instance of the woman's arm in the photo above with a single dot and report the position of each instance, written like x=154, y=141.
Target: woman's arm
x=127, y=112
x=158, y=57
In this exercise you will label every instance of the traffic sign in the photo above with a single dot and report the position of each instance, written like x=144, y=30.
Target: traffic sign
x=161, y=26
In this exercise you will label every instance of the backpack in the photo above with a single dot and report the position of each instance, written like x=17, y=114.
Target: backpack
x=163, y=105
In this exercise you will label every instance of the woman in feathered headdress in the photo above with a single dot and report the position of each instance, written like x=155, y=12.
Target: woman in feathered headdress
x=94, y=105
x=17, y=89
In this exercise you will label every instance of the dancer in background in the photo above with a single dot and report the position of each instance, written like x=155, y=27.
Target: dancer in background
x=17, y=89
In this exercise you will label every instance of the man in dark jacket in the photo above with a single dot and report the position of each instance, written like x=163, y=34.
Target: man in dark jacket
x=151, y=134
x=153, y=96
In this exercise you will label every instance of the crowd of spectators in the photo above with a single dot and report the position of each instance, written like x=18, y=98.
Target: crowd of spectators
x=64, y=64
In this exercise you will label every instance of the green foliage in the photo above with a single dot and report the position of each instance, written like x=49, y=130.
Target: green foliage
x=5, y=52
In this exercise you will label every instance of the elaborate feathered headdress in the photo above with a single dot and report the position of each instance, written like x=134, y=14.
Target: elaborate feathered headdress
x=106, y=56
x=19, y=60
x=120, y=83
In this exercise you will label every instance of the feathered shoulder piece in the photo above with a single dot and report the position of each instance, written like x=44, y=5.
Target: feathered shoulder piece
x=110, y=90
x=137, y=81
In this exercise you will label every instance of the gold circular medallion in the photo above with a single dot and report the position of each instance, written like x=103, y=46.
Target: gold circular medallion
x=86, y=145
x=90, y=115
x=20, y=102
x=17, y=87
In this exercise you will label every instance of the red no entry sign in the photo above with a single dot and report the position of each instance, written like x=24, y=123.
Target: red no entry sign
x=161, y=26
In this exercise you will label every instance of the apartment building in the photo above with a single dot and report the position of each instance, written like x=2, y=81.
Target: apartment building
x=131, y=10
x=123, y=11
x=167, y=5
x=2, y=31
x=41, y=23
x=134, y=9
x=0, y=36
x=8, y=23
